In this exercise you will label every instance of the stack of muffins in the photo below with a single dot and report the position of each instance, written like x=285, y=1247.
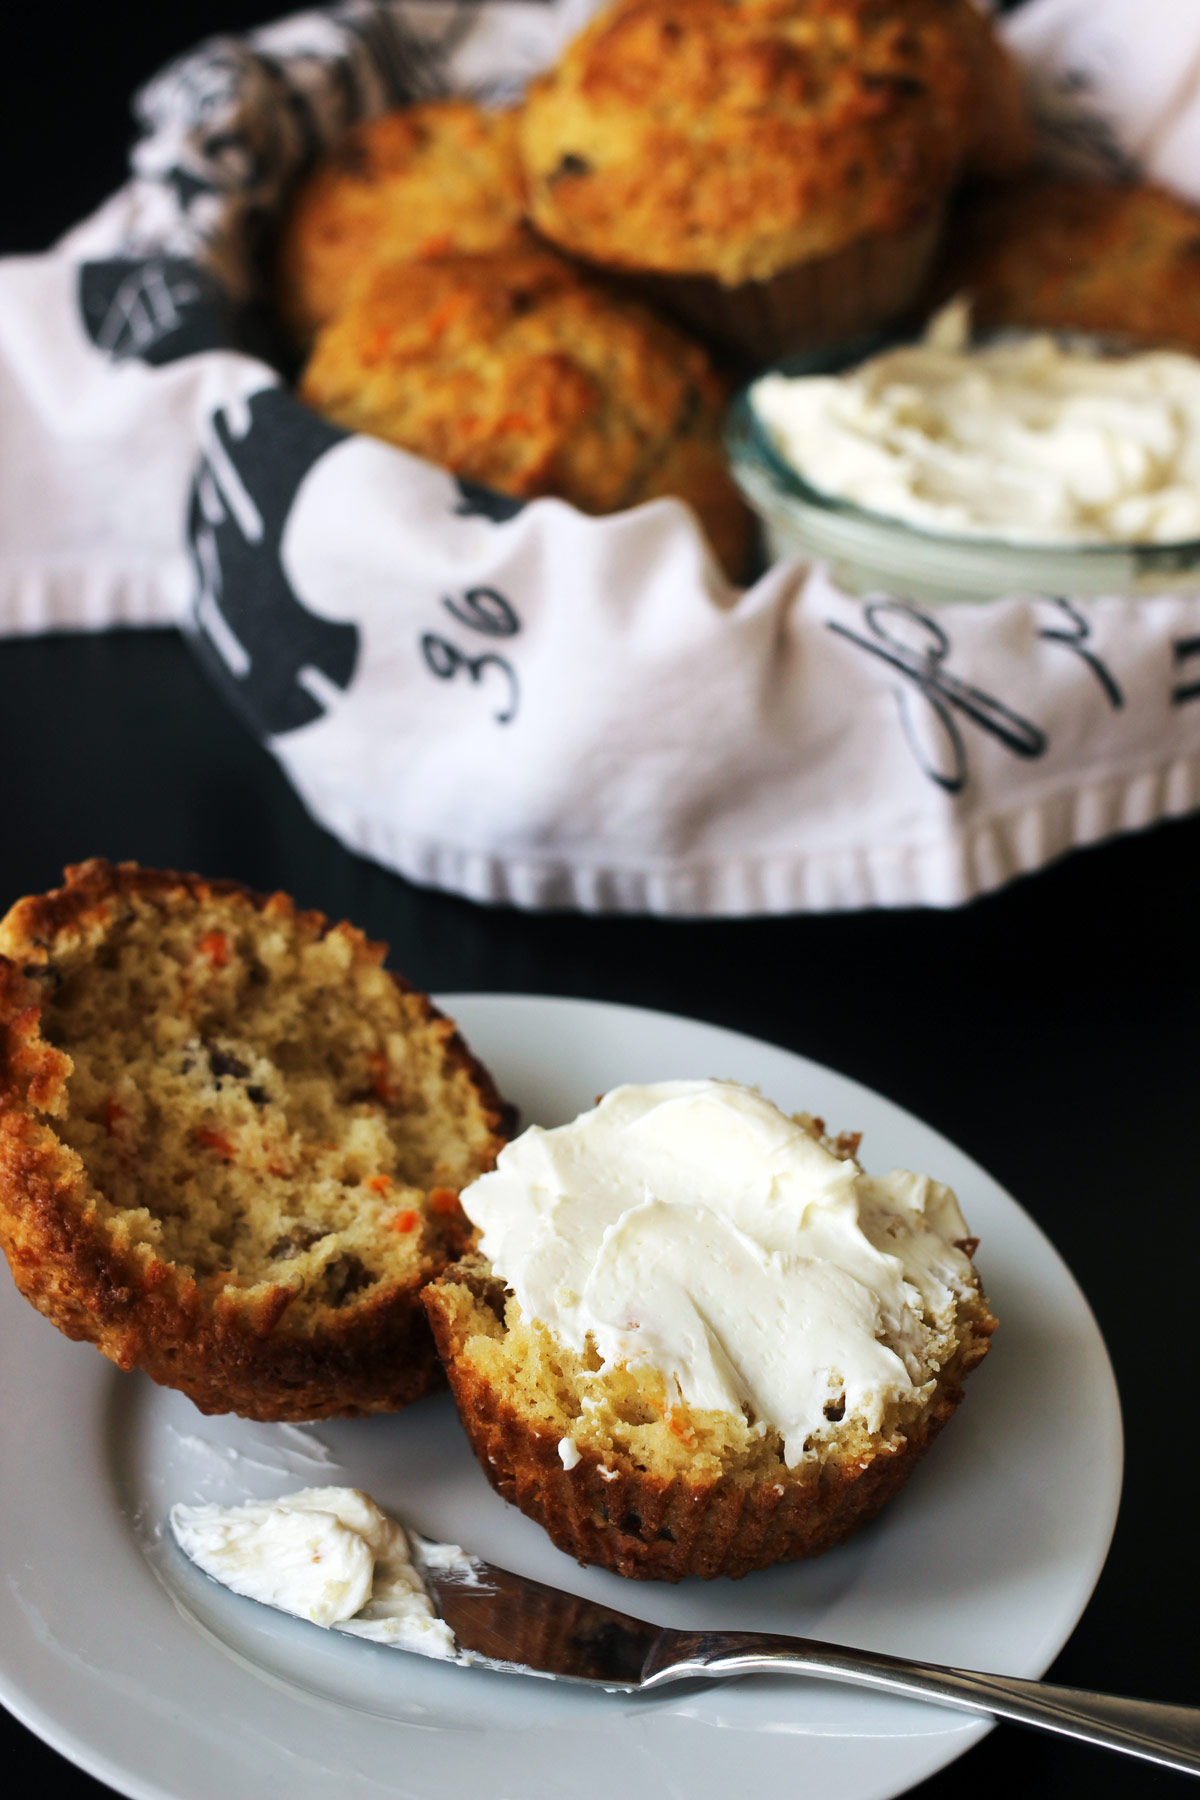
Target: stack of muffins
x=765, y=174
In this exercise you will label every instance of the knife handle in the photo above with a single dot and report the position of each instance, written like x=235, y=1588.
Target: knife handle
x=1162, y=1734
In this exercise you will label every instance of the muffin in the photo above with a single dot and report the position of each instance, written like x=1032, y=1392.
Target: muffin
x=425, y=181
x=231, y=1142
x=515, y=371
x=696, y=1338
x=772, y=170
x=1121, y=260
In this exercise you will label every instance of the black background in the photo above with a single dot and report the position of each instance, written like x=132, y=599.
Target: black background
x=1050, y=1030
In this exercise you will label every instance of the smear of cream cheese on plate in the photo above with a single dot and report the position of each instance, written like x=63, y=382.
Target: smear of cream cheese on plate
x=329, y=1555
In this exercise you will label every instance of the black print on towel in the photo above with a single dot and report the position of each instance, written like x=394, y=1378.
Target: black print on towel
x=153, y=310
x=279, y=663
x=229, y=128
x=931, y=699
x=1185, y=655
x=1076, y=129
x=486, y=611
x=478, y=502
x=1075, y=635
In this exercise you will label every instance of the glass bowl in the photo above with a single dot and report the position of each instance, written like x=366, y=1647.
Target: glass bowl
x=868, y=553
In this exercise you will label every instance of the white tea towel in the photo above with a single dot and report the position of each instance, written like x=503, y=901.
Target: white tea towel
x=521, y=703
x=1115, y=85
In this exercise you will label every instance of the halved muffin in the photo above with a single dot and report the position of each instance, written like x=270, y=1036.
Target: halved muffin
x=231, y=1142
x=704, y=1340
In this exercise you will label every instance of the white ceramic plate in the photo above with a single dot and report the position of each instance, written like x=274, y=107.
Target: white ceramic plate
x=120, y=1654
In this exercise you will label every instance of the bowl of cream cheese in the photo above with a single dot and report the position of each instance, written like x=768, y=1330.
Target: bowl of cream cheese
x=946, y=468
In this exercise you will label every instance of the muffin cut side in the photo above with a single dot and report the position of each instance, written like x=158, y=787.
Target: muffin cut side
x=210, y=1100
x=256, y=1109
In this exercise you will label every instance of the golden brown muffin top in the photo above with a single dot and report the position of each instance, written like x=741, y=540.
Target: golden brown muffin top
x=422, y=182
x=1080, y=255
x=736, y=138
x=515, y=371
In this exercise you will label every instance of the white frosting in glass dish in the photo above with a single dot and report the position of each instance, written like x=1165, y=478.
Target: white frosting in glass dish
x=1028, y=439
x=693, y=1228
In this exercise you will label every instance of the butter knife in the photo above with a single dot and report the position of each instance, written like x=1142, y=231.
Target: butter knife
x=509, y=1622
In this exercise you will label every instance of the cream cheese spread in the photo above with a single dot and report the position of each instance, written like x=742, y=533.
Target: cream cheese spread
x=329, y=1555
x=693, y=1228
x=1025, y=439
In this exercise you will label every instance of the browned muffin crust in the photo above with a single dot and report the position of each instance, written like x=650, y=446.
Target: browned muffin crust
x=1001, y=142
x=704, y=1508
x=1081, y=255
x=424, y=181
x=230, y=1142
x=738, y=138
x=515, y=371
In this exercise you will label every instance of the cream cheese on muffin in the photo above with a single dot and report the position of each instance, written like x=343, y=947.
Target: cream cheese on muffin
x=329, y=1555
x=693, y=1228
x=1027, y=439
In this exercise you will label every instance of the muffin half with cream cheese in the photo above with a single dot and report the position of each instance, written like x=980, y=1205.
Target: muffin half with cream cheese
x=697, y=1338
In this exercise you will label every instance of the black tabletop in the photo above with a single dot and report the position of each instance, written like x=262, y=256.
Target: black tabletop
x=1050, y=1030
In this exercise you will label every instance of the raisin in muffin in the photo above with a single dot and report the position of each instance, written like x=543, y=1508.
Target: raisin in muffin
x=421, y=182
x=231, y=1142
x=515, y=371
x=772, y=170
x=697, y=1338
x=1079, y=255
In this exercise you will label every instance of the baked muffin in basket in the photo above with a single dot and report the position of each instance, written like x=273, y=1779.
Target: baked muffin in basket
x=696, y=1338
x=231, y=1142
x=1117, y=259
x=515, y=371
x=424, y=181
x=774, y=171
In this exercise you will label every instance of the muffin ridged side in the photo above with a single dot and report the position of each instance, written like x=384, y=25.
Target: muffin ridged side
x=665, y=1524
